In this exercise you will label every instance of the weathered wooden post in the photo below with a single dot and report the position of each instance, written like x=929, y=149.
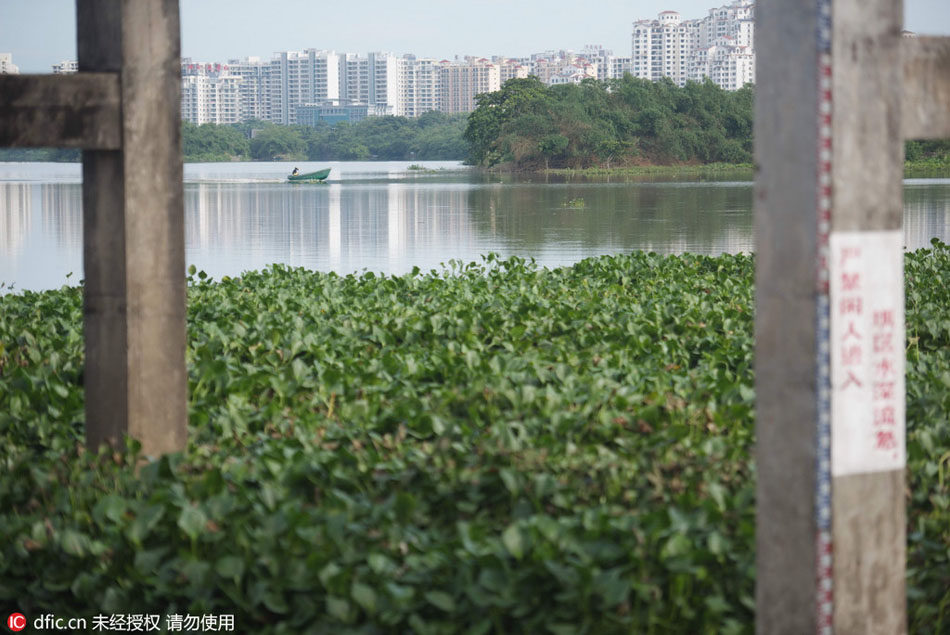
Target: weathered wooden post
x=124, y=109
x=838, y=90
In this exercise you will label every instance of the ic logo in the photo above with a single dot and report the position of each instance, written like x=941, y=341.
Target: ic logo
x=16, y=622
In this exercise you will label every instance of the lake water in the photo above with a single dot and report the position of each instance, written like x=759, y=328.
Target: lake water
x=384, y=217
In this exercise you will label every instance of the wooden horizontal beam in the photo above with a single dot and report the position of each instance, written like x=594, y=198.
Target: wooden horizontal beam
x=61, y=111
x=926, y=85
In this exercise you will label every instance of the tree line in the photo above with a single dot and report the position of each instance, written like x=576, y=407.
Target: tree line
x=613, y=123
x=626, y=122
x=433, y=136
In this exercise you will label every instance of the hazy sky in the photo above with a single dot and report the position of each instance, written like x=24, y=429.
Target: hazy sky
x=40, y=33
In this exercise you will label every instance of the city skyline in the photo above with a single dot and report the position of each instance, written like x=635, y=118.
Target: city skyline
x=42, y=33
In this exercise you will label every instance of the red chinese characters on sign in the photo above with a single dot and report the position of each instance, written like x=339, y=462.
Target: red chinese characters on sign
x=884, y=371
x=850, y=311
x=866, y=351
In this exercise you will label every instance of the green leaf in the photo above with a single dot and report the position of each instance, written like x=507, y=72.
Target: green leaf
x=718, y=493
x=274, y=601
x=328, y=573
x=441, y=600
x=192, y=521
x=146, y=519
x=380, y=564
x=111, y=507
x=510, y=479
x=365, y=596
x=338, y=608
x=677, y=545
x=73, y=542
x=513, y=539
x=230, y=567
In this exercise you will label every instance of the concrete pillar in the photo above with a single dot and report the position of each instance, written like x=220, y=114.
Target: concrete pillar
x=133, y=217
x=829, y=317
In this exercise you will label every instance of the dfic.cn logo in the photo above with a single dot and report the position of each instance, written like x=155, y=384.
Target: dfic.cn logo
x=16, y=622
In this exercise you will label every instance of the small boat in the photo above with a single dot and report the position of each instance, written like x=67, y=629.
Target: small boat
x=309, y=177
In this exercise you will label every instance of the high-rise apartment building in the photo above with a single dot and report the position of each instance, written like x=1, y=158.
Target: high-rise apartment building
x=619, y=66
x=509, y=68
x=726, y=49
x=384, y=80
x=661, y=47
x=419, y=85
x=461, y=82
x=7, y=67
x=606, y=65
x=730, y=67
x=301, y=77
x=254, y=88
x=734, y=22
x=210, y=93
x=354, y=78
x=720, y=46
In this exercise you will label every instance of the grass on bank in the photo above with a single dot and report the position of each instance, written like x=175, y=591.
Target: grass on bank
x=493, y=448
x=742, y=169
x=921, y=168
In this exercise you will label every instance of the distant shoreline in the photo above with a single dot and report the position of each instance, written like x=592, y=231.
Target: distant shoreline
x=924, y=168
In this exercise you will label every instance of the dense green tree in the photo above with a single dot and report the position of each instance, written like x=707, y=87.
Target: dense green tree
x=486, y=124
x=553, y=146
x=433, y=136
x=527, y=125
x=209, y=142
x=935, y=149
x=277, y=142
x=340, y=142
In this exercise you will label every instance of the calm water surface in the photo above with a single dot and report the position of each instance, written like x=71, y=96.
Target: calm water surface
x=386, y=218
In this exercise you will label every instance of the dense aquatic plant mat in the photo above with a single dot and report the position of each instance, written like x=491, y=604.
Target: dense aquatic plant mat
x=492, y=448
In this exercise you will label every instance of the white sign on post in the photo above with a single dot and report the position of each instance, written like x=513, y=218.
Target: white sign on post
x=867, y=352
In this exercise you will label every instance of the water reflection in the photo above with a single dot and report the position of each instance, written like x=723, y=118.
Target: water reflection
x=40, y=234
x=926, y=212
x=62, y=215
x=16, y=215
x=365, y=220
x=381, y=227
x=667, y=218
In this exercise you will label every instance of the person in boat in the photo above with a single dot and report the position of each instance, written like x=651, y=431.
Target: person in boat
x=294, y=173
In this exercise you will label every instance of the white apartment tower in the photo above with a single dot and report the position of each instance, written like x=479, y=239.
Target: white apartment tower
x=734, y=21
x=728, y=66
x=726, y=48
x=419, y=82
x=619, y=66
x=510, y=69
x=354, y=78
x=254, y=87
x=301, y=77
x=7, y=67
x=720, y=46
x=460, y=83
x=384, y=80
x=210, y=94
x=661, y=47
x=606, y=64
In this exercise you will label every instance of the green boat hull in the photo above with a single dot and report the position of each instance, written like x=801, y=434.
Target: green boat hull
x=309, y=177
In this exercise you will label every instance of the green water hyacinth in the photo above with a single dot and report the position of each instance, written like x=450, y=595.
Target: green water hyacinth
x=489, y=448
